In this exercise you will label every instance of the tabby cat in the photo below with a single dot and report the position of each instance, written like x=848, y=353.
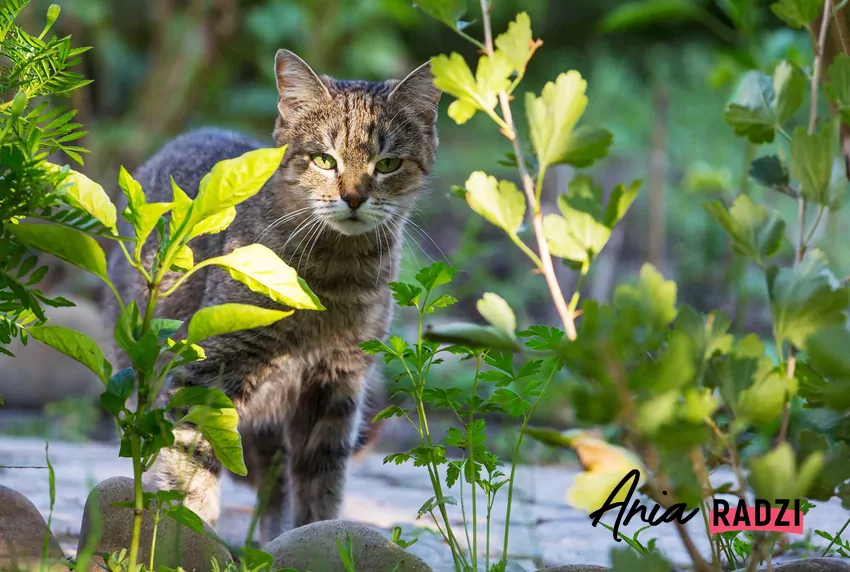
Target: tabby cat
x=358, y=155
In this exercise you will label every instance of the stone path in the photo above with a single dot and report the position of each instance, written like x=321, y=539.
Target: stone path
x=544, y=529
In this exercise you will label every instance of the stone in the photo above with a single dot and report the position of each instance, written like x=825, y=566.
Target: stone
x=575, y=568
x=313, y=547
x=38, y=374
x=176, y=545
x=22, y=533
x=811, y=565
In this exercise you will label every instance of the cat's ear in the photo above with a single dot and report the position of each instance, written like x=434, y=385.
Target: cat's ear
x=418, y=92
x=297, y=83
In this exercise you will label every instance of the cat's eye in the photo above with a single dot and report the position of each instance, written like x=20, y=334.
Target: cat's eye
x=388, y=165
x=323, y=161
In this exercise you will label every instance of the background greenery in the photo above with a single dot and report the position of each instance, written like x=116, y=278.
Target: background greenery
x=659, y=77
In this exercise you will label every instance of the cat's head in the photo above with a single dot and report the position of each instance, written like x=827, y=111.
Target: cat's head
x=358, y=152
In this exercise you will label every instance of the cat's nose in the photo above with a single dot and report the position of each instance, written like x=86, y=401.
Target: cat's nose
x=354, y=200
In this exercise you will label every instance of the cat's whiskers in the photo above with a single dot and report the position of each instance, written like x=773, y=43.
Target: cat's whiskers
x=319, y=234
x=281, y=220
x=422, y=232
x=316, y=224
x=300, y=228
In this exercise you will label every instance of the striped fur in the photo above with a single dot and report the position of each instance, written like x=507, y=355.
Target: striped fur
x=302, y=387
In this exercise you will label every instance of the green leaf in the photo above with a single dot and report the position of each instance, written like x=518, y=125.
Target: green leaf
x=261, y=270
x=119, y=388
x=184, y=260
x=438, y=274
x=797, y=13
x=76, y=345
x=500, y=202
x=587, y=145
x=233, y=181
x=628, y=560
x=448, y=12
x=180, y=205
x=516, y=44
x=754, y=233
x=763, y=104
x=652, y=299
x=405, y=294
x=443, y=301
x=185, y=517
x=226, y=318
x=65, y=243
x=805, y=299
x=551, y=437
x=763, y=402
x=771, y=172
x=187, y=396
x=219, y=427
x=552, y=117
x=641, y=13
x=473, y=336
x=776, y=475
x=89, y=196
x=838, y=87
x=814, y=164
x=497, y=312
x=389, y=412
x=585, y=227
x=473, y=93
x=143, y=216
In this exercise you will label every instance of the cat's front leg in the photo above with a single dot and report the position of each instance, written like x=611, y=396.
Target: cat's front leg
x=322, y=431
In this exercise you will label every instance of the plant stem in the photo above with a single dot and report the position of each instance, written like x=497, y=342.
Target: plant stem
x=471, y=439
x=515, y=461
x=153, y=538
x=835, y=538
x=548, y=269
x=139, y=507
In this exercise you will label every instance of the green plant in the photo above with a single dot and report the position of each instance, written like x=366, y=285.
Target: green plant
x=147, y=340
x=682, y=393
x=35, y=67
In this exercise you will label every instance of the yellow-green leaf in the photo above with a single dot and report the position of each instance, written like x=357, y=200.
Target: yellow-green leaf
x=516, y=43
x=234, y=180
x=553, y=115
x=604, y=466
x=76, y=345
x=226, y=318
x=66, y=243
x=500, y=202
x=261, y=270
x=215, y=223
x=479, y=92
x=220, y=428
x=89, y=196
x=497, y=312
x=184, y=260
x=180, y=205
x=131, y=188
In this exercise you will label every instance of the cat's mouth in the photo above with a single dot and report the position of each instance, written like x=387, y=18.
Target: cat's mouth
x=352, y=225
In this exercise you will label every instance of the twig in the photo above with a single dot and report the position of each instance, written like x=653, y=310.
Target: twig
x=548, y=269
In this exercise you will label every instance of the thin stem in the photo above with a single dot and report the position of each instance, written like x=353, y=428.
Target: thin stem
x=156, y=520
x=515, y=461
x=135, y=447
x=548, y=268
x=467, y=37
x=815, y=226
x=835, y=538
x=471, y=441
x=183, y=278
x=528, y=252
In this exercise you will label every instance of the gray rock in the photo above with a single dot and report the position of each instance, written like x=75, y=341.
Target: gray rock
x=575, y=568
x=22, y=533
x=38, y=374
x=313, y=547
x=812, y=565
x=176, y=545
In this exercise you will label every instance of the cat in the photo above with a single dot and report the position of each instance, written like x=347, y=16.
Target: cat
x=359, y=153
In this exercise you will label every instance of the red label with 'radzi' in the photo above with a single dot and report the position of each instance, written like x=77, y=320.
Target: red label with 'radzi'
x=780, y=517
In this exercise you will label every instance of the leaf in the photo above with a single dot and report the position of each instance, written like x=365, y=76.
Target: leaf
x=805, y=299
x=89, y=196
x=771, y=172
x=763, y=103
x=641, y=13
x=628, y=560
x=552, y=117
x=219, y=427
x=754, y=233
x=775, y=475
x=497, y=312
x=551, y=437
x=186, y=517
x=261, y=270
x=585, y=227
x=433, y=503
x=389, y=412
x=187, y=396
x=814, y=164
x=233, y=181
x=604, y=466
x=443, y=301
x=226, y=318
x=405, y=294
x=652, y=299
x=180, y=205
x=838, y=87
x=65, y=243
x=143, y=216
x=474, y=336
x=448, y=12
x=797, y=13
x=473, y=93
x=500, y=202
x=119, y=388
x=76, y=345
x=517, y=43
x=184, y=260
x=438, y=274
